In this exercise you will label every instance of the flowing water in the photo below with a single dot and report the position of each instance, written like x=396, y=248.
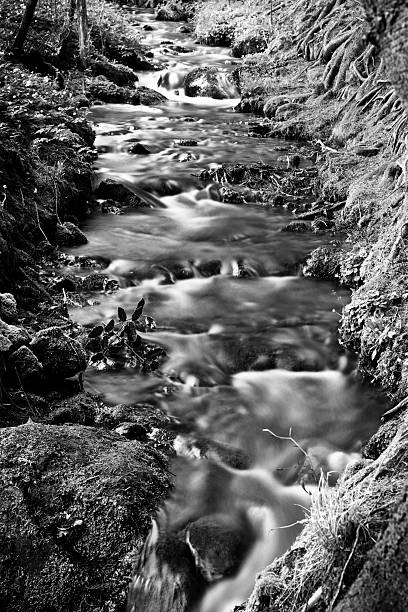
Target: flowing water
x=251, y=344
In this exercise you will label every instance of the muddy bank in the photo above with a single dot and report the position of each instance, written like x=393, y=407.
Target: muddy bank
x=81, y=479
x=321, y=80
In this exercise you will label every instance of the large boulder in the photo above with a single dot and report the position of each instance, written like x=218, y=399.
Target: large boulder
x=60, y=355
x=249, y=46
x=205, y=81
x=101, y=89
x=75, y=507
x=117, y=73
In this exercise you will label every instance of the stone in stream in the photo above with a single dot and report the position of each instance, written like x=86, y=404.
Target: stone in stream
x=109, y=189
x=76, y=506
x=204, y=81
x=60, y=355
x=138, y=149
x=218, y=545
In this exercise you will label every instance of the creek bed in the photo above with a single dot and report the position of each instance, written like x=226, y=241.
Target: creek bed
x=251, y=344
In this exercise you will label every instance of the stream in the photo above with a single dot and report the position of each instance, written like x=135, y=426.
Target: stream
x=251, y=343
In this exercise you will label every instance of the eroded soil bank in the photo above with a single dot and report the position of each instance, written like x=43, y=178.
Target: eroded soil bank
x=319, y=77
x=88, y=475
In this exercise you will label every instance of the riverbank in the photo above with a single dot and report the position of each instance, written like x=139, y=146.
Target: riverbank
x=81, y=479
x=320, y=79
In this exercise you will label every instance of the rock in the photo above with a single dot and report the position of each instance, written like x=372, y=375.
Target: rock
x=75, y=507
x=81, y=409
x=186, y=29
x=117, y=73
x=324, y=263
x=95, y=282
x=297, y=226
x=138, y=149
x=61, y=356
x=110, y=189
x=8, y=308
x=150, y=97
x=12, y=337
x=106, y=91
x=218, y=544
x=69, y=234
x=186, y=143
x=28, y=367
x=132, y=431
x=205, y=81
x=143, y=415
x=248, y=46
x=173, y=12
x=148, y=28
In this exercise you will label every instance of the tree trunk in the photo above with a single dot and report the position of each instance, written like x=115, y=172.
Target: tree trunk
x=26, y=20
x=83, y=31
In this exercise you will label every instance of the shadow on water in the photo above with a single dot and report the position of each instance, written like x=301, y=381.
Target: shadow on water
x=250, y=344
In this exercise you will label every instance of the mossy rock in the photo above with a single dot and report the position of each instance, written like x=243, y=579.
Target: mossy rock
x=75, y=508
x=204, y=81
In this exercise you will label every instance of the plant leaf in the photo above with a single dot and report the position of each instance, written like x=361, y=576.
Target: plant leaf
x=139, y=310
x=96, y=332
x=109, y=326
x=122, y=314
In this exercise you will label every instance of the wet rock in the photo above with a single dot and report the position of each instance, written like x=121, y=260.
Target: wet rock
x=80, y=409
x=76, y=505
x=106, y=91
x=69, y=234
x=218, y=545
x=95, y=282
x=186, y=143
x=12, y=337
x=148, y=28
x=110, y=189
x=61, y=356
x=174, y=11
x=248, y=46
x=186, y=29
x=324, y=263
x=28, y=367
x=138, y=149
x=150, y=97
x=132, y=431
x=204, y=81
x=117, y=73
x=297, y=227
x=8, y=308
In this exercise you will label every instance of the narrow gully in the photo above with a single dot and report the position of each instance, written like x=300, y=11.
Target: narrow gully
x=251, y=344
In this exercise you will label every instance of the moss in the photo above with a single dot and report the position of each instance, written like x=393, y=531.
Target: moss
x=75, y=508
